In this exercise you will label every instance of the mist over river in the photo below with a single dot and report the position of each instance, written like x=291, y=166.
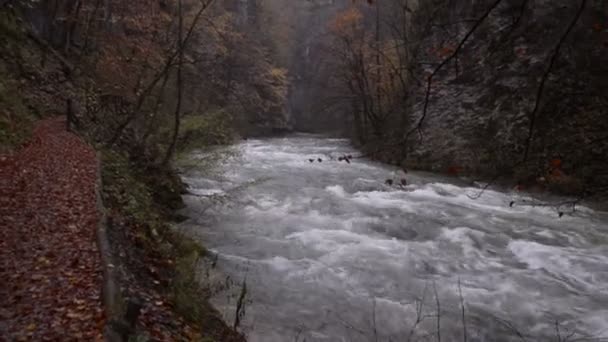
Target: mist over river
x=332, y=253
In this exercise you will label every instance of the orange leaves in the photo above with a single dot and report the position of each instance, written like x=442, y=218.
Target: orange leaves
x=54, y=275
x=556, y=174
x=346, y=21
x=555, y=163
x=454, y=170
x=446, y=51
x=555, y=169
x=597, y=27
x=442, y=52
x=370, y=65
x=129, y=55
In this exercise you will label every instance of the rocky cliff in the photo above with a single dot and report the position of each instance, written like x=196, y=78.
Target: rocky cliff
x=525, y=96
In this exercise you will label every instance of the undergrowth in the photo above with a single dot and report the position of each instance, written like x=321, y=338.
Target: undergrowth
x=16, y=120
x=133, y=194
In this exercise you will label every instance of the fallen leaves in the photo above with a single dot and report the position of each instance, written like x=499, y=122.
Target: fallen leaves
x=48, y=220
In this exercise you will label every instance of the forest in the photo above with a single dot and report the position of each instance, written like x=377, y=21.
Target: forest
x=517, y=85
x=149, y=148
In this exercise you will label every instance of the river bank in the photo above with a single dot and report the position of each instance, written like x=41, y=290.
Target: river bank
x=549, y=181
x=156, y=266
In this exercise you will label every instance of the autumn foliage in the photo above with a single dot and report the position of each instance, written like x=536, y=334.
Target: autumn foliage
x=131, y=73
x=371, y=66
x=51, y=264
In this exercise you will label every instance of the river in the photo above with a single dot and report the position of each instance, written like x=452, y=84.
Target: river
x=330, y=252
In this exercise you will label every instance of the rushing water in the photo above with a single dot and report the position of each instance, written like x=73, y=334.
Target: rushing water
x=332, y=253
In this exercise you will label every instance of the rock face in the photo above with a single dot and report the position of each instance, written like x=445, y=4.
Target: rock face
x=482, y=102
x=525, y=97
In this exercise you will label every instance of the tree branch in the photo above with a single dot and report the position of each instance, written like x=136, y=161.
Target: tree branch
x=418, y=127
x=541, y=86
x=166, y=68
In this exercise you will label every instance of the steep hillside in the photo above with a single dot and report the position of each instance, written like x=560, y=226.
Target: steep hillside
x=526, y=94
x=512, y=89
x=133, y=81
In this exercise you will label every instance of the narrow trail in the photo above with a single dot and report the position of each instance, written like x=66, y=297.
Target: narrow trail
x=50, y=268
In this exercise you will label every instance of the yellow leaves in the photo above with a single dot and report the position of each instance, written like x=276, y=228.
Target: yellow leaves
x=279, y=78
x=80, y=315
x=44, y=261
x=275, y=84
x=279, y=73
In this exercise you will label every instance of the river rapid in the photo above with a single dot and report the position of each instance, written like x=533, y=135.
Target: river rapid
x=332, y=253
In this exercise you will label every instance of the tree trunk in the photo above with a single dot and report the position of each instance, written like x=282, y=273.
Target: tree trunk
x=72, y=21
x=166, y=68
x=69, y=115
x=378, y=63
x=178, y=106
x=90, y=22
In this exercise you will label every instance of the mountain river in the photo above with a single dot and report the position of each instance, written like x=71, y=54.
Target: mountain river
x=330, y=252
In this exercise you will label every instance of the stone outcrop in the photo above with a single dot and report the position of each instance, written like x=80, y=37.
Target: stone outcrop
x=482, y=102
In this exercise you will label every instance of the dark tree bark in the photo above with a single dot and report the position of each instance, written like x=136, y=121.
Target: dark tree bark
x=69, y=115
x=179, y=85
x=71, y=24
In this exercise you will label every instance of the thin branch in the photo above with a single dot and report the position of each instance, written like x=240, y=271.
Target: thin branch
x=419, y=316
x=438, y=306
x=348, y=325
x=166, y=68
x=541, y=86
x=418, y=127
x=522, y=8
x=464, y=322
x=484, y=188
x=493, y=180
x=374, y=321
x=511, y=327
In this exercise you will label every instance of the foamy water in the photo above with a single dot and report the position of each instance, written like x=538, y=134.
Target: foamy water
x=331, y=253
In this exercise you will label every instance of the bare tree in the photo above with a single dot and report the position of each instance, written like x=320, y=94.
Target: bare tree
x=179, y=85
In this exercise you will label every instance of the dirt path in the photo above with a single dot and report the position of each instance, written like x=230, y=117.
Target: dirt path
x=50, y=271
